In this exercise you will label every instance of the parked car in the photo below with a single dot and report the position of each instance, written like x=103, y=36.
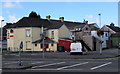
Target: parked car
x=76, y=49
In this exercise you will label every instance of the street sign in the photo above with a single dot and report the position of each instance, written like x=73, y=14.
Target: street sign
x=21, y=45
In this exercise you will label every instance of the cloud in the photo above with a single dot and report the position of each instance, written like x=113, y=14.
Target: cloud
x=12, y=5
x=91, y=17
x=8, y=5
x=3, y=23
x=1, y=18
x=13, y=18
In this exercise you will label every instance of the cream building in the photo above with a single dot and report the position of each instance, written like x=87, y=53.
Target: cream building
x=30, y=35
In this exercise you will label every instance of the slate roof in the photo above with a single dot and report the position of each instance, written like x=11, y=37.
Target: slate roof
x=46, y=41
x=49, y=24
x=115, y=35
x=32, y=22
x=114, y=28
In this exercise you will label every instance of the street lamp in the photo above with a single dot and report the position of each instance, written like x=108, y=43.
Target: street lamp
x=1, y=34
x=100, y=36
x=43, y=41
x=99, y=19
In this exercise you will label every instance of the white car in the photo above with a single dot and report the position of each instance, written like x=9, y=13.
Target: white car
x=76, y=49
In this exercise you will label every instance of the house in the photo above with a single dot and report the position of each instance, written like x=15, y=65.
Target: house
x=83, y=33
x=29, y=29
x=113, y=34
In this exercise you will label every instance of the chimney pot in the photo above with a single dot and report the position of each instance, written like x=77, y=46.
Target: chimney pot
x=62, y=19
x=48, y=17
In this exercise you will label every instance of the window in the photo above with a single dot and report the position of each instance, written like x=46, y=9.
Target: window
x=52, y=35
x=41, y=45
x=8, y=35
x=106, y=34
x=27, y=32
x=52, y=44
x=86, y=28
x=35, y=44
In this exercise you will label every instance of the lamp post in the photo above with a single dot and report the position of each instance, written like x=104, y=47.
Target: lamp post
x=43, y=41
x=100, y=36
x=99, y=19
x=1, y=35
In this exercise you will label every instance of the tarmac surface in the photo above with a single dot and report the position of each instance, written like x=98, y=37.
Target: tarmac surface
x=29, y=60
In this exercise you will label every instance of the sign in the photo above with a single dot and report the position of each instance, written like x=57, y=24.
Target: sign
x=21, y=45
x=11, y=33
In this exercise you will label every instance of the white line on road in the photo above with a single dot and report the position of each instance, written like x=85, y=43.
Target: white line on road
x=101, y=65
x=48, y=65
x=36, y=62
x=72, y=66
x=55, y=69
x=11, y=63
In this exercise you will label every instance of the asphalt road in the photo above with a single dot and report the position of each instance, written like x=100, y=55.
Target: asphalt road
x=61, y=62
x=108, y=65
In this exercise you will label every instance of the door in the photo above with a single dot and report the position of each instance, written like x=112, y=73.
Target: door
x=28, y=45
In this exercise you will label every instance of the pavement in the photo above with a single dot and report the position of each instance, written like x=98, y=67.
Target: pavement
x=91, y=55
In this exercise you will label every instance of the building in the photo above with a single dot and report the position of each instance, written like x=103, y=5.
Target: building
x=30, y=31
x=113, y=32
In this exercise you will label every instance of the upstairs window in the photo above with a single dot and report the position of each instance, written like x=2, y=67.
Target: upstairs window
x=52, y=35
x=27, y=32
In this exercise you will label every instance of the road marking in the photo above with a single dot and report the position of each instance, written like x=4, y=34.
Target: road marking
x=36, y=62
x=72, y=66
x=48, y=65
x=11, y=63
x=55, y=69
x=101, y=65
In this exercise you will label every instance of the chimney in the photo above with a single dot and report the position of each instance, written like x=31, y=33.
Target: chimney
x=62, y=19
x=48, y=17
x=112, y=24
x=86, y=22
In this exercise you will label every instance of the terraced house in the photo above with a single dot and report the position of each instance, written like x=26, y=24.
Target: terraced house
x=29, y=30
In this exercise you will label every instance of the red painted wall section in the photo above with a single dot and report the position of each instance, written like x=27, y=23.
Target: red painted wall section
x=65, y=43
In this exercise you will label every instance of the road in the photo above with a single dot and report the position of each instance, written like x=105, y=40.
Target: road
x=68, y=65
x=60, y=62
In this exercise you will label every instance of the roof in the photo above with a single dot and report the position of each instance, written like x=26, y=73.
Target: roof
x=114, y=28
x=50, y=24
x=115, y=35
x=46, y=41
x=32, y=22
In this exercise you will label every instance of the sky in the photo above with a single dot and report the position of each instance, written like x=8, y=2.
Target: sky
x=11, y=12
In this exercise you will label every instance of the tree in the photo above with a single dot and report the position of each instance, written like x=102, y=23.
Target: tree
x=34, y=15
